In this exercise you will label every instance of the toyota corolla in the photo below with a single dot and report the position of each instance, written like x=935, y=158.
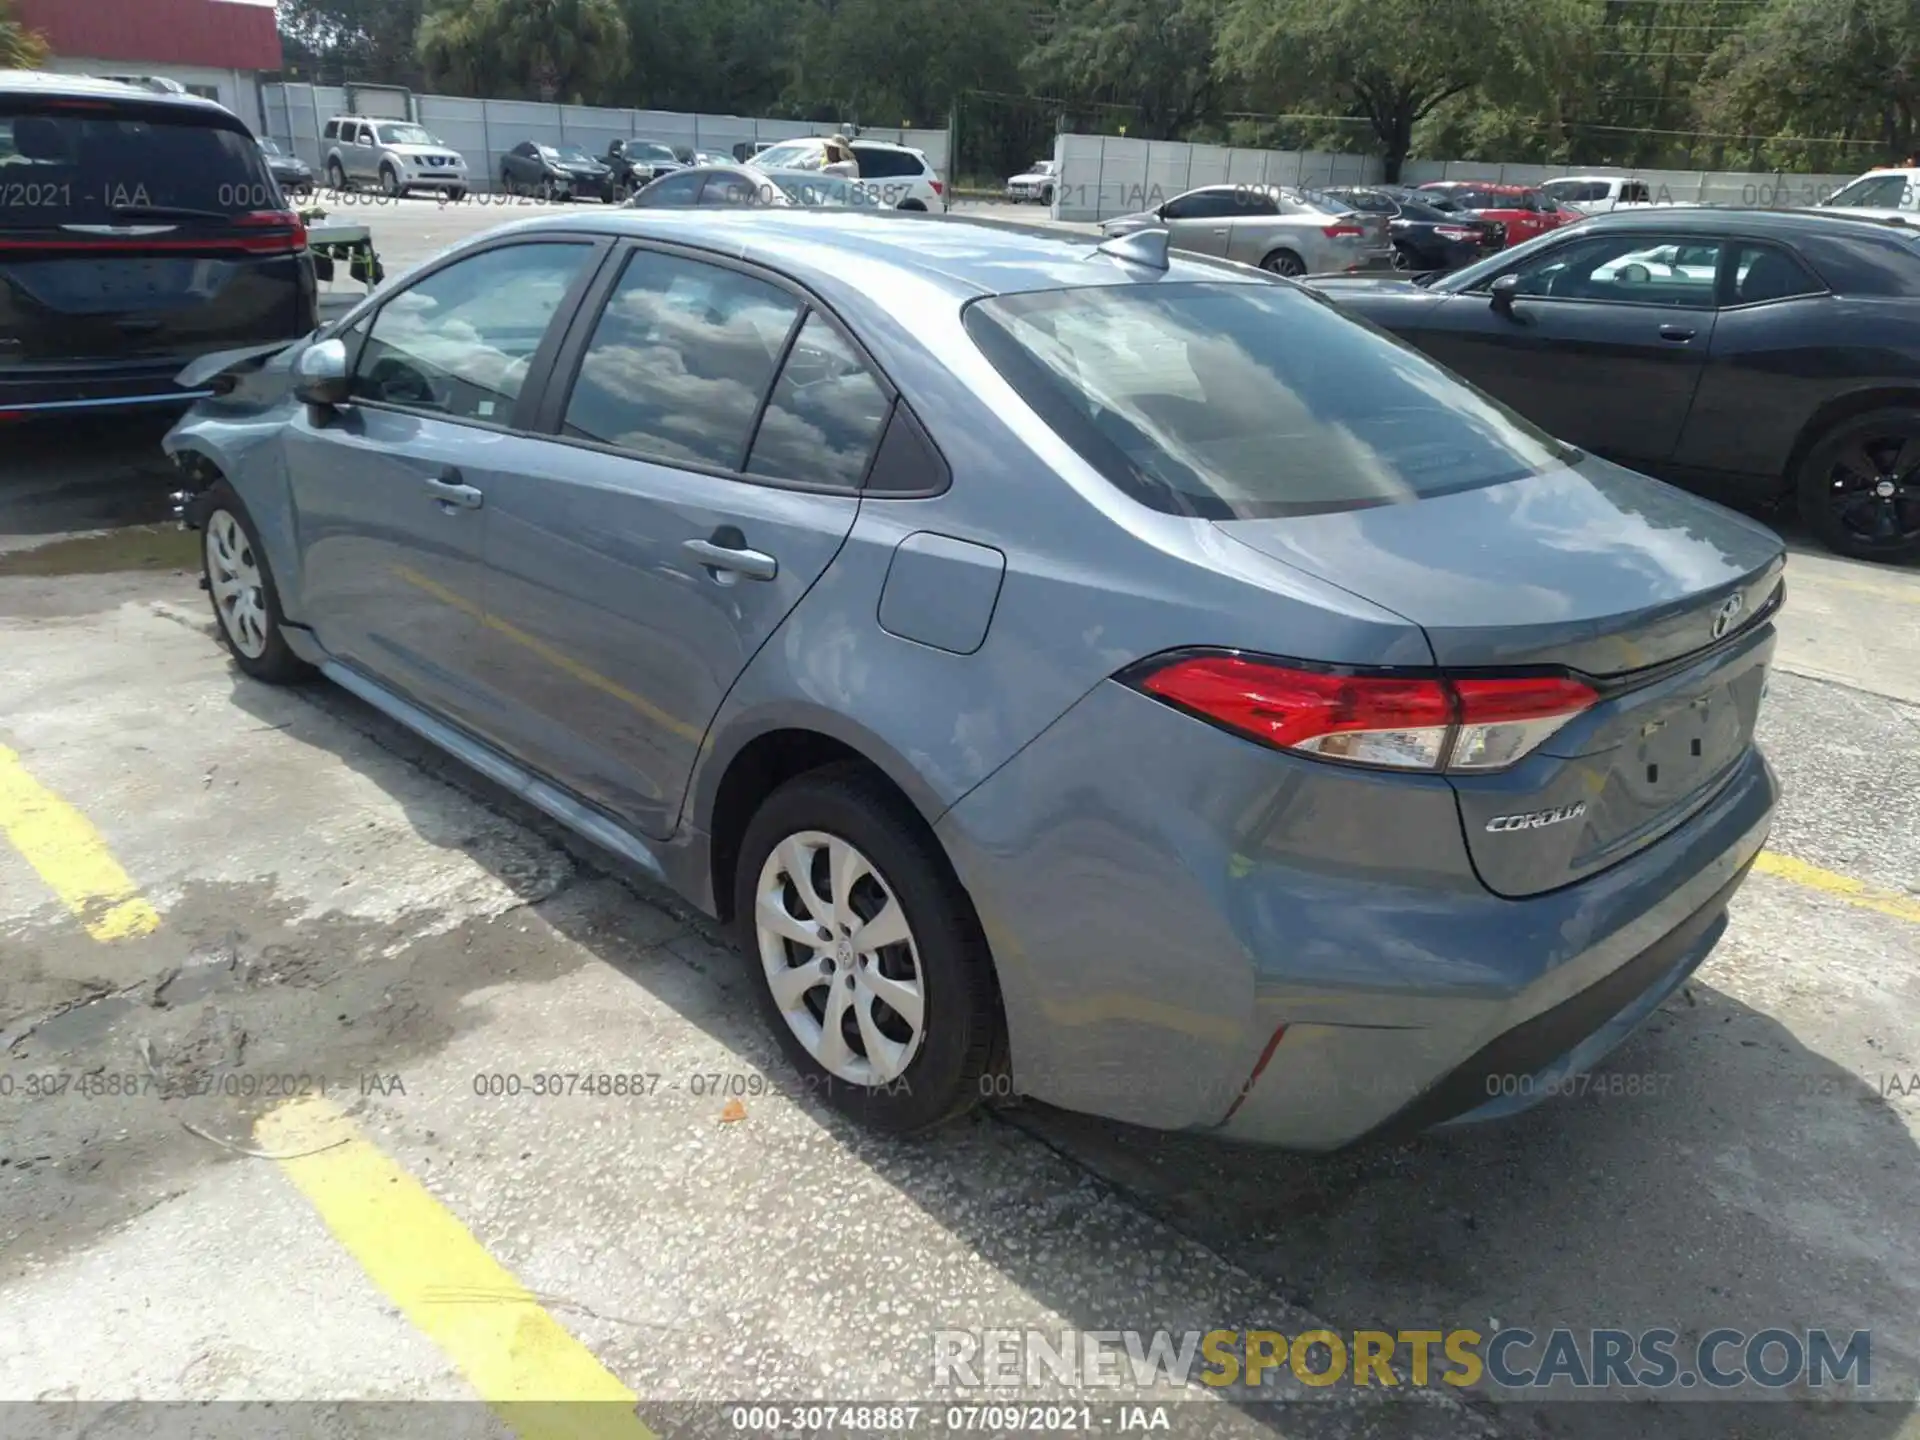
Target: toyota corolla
x=1072, y=670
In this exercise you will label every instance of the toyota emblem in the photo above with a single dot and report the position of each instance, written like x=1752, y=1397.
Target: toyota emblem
x=1728, y=612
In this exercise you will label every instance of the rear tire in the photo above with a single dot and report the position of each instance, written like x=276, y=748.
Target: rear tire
x=1284, y=262
x=246, y=602
x=1859, y=486
x=898, y=1036
x=913, y=205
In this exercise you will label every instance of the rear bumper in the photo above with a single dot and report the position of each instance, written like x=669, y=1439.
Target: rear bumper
x=1152, y=936
x=111, y=385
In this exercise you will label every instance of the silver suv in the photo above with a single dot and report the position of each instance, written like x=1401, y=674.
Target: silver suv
x=396, y=155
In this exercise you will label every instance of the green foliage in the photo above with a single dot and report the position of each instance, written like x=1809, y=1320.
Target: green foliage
x=1823, y=84
x=571, y=51
x=20, y=48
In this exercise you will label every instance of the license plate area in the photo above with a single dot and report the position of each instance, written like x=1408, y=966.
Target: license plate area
x=1685, y=745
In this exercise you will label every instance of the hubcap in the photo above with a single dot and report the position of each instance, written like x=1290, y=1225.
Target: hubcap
x=239, y=595
x=1873, y=488
x=840, y=958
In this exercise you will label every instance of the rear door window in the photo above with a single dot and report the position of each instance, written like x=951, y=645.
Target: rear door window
x=1241, y=401
x=680, y=361
x=121, y=165
x=877, y=163
x=1213, y=204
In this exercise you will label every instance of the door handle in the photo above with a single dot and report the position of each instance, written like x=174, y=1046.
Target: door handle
x=727, y=554
x=1676, y=333
x=449, y=489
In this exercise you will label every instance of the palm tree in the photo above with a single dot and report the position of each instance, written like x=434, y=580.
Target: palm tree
x=567, y=50
x=20, y=48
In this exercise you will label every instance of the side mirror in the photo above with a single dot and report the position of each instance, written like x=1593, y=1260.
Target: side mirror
x=320, y=374
x=1502, y=291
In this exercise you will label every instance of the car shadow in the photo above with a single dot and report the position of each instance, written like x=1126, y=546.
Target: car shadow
x=66, y=476
x=1687, y=1206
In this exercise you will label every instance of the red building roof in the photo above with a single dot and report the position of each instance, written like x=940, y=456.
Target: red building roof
x=226, y=34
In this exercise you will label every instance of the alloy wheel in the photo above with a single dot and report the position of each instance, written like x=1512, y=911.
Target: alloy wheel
x=1285, y=263
x=239, y=593
x=1873, y=489
x=840, y=958
x=1401, y=260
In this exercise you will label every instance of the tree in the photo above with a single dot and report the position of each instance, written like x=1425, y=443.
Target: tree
x=20, y=48
x=1390, y=62
x=337, y=41
x=1833, y=69
x=1154, y=55
x=712, y=56
x=572, y=51
x=891, y=60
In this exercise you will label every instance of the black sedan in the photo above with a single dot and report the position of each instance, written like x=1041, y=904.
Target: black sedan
x=1757, y=355
x=289, y=171
x=555, y=172
x=1425, y=236
x=635, y=164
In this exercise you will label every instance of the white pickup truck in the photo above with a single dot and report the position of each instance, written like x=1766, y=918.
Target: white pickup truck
x=1880, y=195
x=1597, y=194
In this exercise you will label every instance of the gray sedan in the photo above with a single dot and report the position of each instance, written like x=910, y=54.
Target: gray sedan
x=1282, y=230
x=1069, y=669
x=742, y=185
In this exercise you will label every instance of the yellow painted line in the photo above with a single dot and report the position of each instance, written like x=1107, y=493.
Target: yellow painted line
x=1841, y=887
x=535, y=1376
x=68, y=853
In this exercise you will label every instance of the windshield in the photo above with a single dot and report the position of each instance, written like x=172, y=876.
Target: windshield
x=1243, y=401
x=405, y=135
x=648, y=150
x=63, y=169
x=574, y=155
x=269, y=148
x=1878, y=192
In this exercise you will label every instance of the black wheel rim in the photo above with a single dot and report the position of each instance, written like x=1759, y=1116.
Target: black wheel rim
x=1401, y=260
x=1873, y=489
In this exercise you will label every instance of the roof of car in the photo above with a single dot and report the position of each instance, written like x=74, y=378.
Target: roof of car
x=86, y=87
x=1492, y=187
x=1755, y=219
x=965, y=256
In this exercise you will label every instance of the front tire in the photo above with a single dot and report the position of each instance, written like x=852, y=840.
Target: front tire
x=336, y=177
x=246, y=604
x=1284, y=262
x=868, y=961
x=1859, y=486
x=390, y=185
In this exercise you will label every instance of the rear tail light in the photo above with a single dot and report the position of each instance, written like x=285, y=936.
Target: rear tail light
x=280, y=232
x=1430, y=723
x=1336, y=232
x=1453, y=232
x=938, y=189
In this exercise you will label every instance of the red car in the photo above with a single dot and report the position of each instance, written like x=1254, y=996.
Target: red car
x=1522, y=209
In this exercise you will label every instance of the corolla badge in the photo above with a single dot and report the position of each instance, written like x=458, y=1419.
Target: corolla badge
x=1538, y=819
x=1728, y=612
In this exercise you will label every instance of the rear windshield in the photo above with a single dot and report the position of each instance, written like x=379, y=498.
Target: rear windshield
x=110, y=165
x=1239, y=401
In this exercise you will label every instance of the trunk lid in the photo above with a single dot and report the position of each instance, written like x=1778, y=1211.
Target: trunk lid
x=132, y=230
x=1661, y=600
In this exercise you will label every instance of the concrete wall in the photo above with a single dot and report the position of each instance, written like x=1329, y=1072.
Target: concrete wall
x=238, y=90
x=484, y=130
x=1104, y=175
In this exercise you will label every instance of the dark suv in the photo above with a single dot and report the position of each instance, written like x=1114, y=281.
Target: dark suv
x=138, y=231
